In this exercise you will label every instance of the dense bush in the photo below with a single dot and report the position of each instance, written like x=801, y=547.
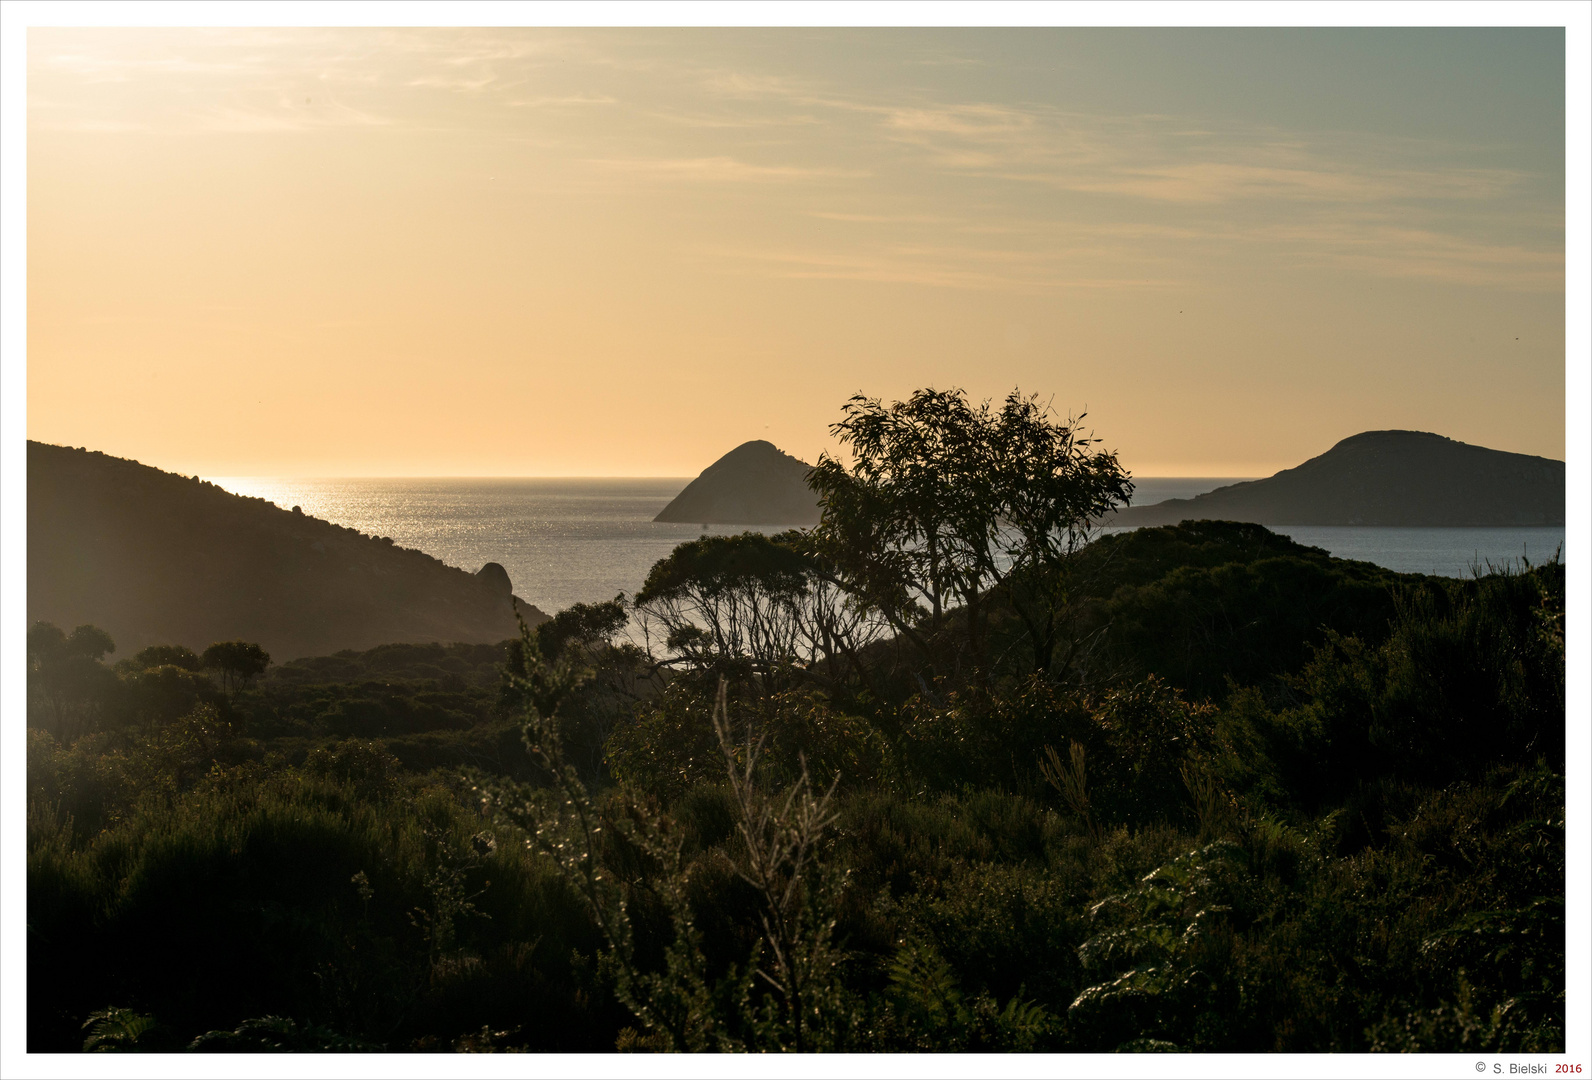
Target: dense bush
x=1275, y=802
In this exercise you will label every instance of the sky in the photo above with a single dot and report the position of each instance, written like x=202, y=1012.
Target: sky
x=526, y=252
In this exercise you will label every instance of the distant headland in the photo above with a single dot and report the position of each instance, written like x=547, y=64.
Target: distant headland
x=754, y=484
x=156, y=558
x=1403, y=478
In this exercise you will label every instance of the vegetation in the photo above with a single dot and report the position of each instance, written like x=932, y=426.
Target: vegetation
x=1188, y=788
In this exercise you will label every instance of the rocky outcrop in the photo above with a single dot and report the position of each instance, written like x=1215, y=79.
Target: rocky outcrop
x=1409, y=478
x=494, y=577
x=754, y=484
x=159, y=559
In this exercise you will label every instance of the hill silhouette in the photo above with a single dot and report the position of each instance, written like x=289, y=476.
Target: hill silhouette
x=754, y=484
x=156, y=558
x=1409, y=478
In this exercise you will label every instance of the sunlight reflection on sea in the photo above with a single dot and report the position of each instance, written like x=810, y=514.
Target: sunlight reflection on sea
x=573, y=540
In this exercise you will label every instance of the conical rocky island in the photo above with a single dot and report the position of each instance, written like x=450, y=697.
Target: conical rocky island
x=754, y=484
x=1406, y=478
x=156, y=558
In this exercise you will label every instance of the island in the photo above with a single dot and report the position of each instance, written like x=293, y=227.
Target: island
x=754, y=484
x=1390, y=478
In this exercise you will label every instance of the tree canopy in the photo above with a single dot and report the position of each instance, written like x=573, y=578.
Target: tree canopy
x=946, y=500
x=238, y=661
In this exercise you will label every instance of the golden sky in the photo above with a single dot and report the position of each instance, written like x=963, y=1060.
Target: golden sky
x=603, y=252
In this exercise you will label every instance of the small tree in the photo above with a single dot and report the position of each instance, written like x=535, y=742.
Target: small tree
x=756, y=607
x=582, y=626
x=1049, y=489
x=238, y=661
x=727, y=605
x=582, y=635
x=66, y=676
x=783, y=860
x=945, y=501
x=895, y=523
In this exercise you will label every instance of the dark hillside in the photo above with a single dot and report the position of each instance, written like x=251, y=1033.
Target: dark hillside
x=1409, y=478
x=1206, y=602
x=155, y=558
x=754, y=484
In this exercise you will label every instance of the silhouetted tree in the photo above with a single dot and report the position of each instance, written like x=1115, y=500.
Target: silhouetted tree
x=725, y=603
x=158, y=695
x=754, y=606
x=65, y=674
x=945, y=500
x=581, y=625
x=175, y=655
x=238, y=661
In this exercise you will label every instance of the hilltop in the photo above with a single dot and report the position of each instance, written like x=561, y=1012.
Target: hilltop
x=156, y=558
x=754, y=484
x=1409, y=478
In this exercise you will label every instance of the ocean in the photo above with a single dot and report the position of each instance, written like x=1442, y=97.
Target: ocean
x=584, y=540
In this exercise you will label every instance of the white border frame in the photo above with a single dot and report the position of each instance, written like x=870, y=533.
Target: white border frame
x=17, y=15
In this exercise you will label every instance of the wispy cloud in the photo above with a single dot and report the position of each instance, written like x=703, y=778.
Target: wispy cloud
x=1217, y=181
x=721, y=170
x=1160, y=159
x=730, y=120
x=465, y=84
x=745, y=84
x=553, y=101
x=941, y=267
x=286, y=117
x=915, y=164
x=883, y=219
x=1389, y=250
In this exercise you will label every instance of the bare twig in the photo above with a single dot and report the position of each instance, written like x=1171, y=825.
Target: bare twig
x=782, y=837
x=1071, y=781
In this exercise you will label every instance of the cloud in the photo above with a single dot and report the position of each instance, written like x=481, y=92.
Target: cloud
x=1140, y=192
x=950, y=268
x=882, y=219
x=947, y=60
x=1161, y=159
x=720, y=170
x=743, y=84
x=685, y=118
x=550, y=101
x=286, y=117
x=1223, y=181
x=1392, y=250
x=978, y=122
x=457, y=83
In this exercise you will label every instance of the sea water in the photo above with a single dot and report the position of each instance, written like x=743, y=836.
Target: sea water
x=583, y=540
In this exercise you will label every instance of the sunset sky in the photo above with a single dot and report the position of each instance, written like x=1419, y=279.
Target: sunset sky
x=600, y=252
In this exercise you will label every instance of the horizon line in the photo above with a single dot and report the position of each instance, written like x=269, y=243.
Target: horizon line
x=257, y=477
